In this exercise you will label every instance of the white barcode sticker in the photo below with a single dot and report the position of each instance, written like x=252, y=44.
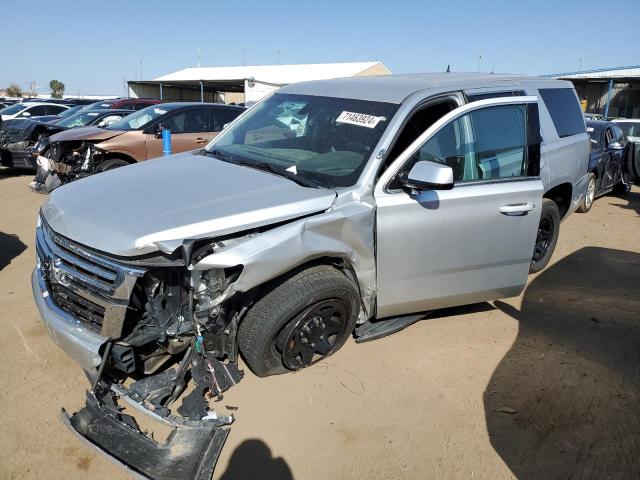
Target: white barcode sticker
x=360, y=119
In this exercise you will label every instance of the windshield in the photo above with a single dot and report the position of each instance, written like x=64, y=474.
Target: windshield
x=594, y=133
x=13, y=109
x=139, y=119
x=630, y=129
x=79, y=119
x=69, y=111
x=320, y=140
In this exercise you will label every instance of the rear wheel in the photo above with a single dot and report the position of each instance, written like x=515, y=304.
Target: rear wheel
x=112, y=163
x=303, y=318
x=587, y=201
x=547, y=237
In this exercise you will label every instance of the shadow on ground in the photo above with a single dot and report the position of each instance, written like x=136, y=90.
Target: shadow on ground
x=633, y=202
x=564, y=402
x=14, y=172
x=252, y=460
x=10, y=248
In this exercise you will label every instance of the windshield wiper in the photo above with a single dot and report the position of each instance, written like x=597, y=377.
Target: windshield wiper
x=267, y=167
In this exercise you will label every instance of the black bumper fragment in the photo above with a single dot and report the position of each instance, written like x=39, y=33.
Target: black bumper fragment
x=190, y=451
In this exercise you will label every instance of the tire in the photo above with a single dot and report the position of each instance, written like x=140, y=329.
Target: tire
x=632, y=163
x=587, y=201
x=275, y=327
x=547, y=236
x=112, y=163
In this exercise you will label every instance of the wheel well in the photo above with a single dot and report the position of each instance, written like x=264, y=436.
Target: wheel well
x=118, y=155
x=561, y=195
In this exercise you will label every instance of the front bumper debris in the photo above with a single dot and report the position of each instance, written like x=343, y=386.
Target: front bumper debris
x=190, y=451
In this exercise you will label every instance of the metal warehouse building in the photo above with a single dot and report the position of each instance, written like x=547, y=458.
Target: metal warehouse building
x=610, y=92
x=245, y=83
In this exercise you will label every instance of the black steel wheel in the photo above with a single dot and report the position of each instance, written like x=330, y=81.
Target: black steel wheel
x=546, y=237
x=314, y=334
x=300, y=319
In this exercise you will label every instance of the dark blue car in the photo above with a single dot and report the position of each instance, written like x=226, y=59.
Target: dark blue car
x=606, y=162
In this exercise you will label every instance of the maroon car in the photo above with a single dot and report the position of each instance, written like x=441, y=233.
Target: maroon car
x=125, y=103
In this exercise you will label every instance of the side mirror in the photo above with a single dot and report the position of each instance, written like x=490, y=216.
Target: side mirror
x=426, y=175
x=25, y=114
x=616, y=146
x=158, y=132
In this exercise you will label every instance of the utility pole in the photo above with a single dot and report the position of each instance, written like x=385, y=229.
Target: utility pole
x=580, y=64
x=278, y=55
x=479, y=60
x=243, y=56
x=124, y=85
x=140, y=69
x=198, y=54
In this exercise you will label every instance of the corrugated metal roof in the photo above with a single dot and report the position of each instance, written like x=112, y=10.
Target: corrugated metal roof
x=612, y=72
x=272, y=74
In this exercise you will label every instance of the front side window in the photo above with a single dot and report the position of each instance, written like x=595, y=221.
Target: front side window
x=188, y=121
x=564, y=109
x=485, y=144
x=55, y=109
x=37, y=111
x=323, y=140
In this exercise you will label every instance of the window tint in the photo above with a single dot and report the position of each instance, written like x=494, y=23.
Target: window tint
x=37, y=110
x=474, y=97
x=488, y=143
x=55, y=109
x=188, y=121
x=222, y=116
x=564, y=109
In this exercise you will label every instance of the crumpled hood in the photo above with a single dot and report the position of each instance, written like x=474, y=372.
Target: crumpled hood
x=86, y=133
x=157, y=204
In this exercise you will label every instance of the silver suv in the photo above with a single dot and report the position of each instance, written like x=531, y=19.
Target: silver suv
x=331, y=208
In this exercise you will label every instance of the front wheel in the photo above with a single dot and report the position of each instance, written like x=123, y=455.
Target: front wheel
x=112, y=163
x=303, y=318
x=587, y=201
x=547, y=236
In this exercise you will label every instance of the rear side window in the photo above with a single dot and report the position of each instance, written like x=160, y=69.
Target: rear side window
x=55, y=109
x=564, y=109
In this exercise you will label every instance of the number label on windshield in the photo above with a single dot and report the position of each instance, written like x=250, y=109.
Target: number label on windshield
x=359, y=119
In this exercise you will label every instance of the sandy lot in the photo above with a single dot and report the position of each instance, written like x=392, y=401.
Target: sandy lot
x=546, y=385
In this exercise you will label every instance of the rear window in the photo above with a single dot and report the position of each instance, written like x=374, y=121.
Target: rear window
x=564, y=109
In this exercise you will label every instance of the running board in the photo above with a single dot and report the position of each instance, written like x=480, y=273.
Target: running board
x=373, y=330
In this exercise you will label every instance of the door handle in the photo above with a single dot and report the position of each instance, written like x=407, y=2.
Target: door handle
x=517, y=209
x=200, y=140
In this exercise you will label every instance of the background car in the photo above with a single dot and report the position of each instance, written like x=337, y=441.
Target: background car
x=606, y=161
x=135, y=138
x=125, y=103
x=20, y=137
x=631, y=129
x=31, y=109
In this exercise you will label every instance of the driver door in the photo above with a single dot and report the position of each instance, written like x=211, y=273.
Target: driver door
x=474, y=242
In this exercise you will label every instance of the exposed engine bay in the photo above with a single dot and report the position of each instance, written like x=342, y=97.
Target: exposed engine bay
x=68, y=161
x=170, y=353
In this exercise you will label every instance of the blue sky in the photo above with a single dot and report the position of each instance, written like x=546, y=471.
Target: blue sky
x=92, y=45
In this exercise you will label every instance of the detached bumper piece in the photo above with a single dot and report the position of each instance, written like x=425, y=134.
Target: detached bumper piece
x=190, y=451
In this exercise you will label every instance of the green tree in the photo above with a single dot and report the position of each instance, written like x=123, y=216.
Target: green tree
x=57, y=88
x=14, y=90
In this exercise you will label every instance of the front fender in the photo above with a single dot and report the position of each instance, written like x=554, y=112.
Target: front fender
x=346, y=232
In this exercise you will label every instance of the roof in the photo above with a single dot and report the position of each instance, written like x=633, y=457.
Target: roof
x=272, y=74
x=611, y=72
x=395, y=88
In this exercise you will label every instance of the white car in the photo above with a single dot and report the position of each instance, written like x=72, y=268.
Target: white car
x=631, y=129
x=31, y=109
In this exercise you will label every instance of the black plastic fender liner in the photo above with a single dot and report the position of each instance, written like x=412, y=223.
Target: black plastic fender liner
x=190, y=452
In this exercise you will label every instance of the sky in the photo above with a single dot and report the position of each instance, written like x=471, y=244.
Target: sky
x=93, y=46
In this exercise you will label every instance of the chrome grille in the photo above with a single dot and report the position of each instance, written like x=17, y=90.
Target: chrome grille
x=91, y=288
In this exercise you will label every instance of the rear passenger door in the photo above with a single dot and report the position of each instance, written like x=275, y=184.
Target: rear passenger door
x=438, y=248
x=189, y=131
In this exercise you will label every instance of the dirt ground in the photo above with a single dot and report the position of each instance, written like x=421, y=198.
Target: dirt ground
x=546, y=385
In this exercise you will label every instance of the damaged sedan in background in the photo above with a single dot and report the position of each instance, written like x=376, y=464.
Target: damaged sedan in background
x=22, y=140
x=85, y=151
x=310, y=218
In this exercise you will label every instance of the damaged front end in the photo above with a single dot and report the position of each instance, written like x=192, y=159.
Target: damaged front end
x=67, y=161
x=153, y=320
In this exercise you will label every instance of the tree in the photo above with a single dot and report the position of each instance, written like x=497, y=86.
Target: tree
x=57, y=88
x=14, y=90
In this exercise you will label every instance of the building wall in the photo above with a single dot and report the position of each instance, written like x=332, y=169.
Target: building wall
x=625, y=97
x=378, y=69
x=172, y=94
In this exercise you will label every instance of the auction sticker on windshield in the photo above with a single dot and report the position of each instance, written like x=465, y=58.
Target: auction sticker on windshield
x=360, y=119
